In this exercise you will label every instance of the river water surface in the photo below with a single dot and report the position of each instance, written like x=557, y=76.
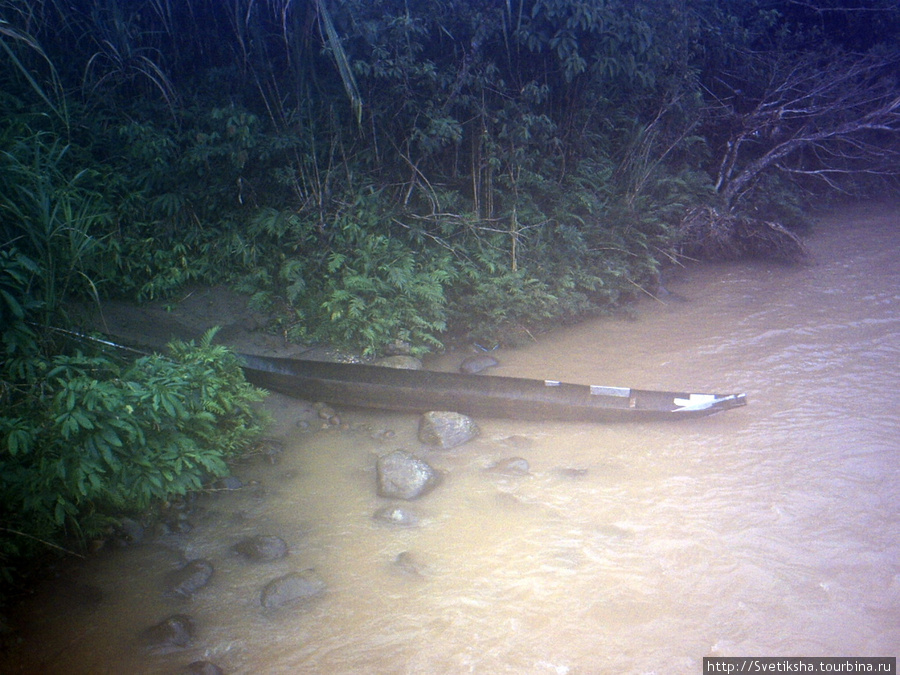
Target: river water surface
x=770, y=530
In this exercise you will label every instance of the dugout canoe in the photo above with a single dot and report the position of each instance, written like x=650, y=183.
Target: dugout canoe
x=416, y=391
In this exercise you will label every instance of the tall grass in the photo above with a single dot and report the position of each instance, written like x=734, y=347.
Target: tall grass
x=12, y=41
x=57, y=220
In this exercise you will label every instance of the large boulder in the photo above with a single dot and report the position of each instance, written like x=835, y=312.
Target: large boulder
x=403, y=476
x=446, y=429
x=189, y=579
x=296, y=587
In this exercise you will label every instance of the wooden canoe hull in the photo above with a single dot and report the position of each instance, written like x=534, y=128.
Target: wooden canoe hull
x=416, y=391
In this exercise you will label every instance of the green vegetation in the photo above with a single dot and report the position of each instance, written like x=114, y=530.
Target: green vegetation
x=382, y=170
x=376, y=170
x=87, y=439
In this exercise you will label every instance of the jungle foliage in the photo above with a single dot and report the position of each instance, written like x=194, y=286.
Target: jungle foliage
x=85, y=437
x=383, y=169
x=88, y=438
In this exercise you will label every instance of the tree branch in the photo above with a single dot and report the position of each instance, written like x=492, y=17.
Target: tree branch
x=825, y=106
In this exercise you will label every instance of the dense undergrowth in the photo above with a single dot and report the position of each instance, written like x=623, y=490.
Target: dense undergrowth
x=375, y=170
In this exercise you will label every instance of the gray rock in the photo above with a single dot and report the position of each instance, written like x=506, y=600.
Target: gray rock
x=477, y=363
x=398, y=347
x=262, y=548
x=296, y=587
x=446, y=429
x=174, y=632
x=402, y=476
x=190, y=578
x=396, y=515
x=402, y=361
x=511, y=466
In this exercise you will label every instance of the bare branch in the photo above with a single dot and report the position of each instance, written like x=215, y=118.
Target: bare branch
x=890, y=7
x=824, y=115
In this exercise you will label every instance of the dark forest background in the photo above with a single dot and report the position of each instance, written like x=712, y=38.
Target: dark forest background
x=373, y=171
x=384, y=169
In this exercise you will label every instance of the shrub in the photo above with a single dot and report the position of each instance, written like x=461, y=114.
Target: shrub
x=89, y=438
x=373, y=291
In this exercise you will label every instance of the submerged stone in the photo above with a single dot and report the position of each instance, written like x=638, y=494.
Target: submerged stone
x=518, y=441
x=477, y=363
x=229, y=483
x=262, y=548
x=570, y=472
x=296, y=587
x=129, y=532
x=408, y=564
x=511, y=466
x=190, y=578
x=174, y=632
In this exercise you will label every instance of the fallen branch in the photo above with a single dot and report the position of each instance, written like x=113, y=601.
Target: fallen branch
x=707, y=233
x=42, y=541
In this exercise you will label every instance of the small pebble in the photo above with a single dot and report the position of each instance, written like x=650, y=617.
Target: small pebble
x=396, y=515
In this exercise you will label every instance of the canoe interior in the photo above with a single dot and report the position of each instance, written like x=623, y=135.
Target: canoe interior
x=357, y=385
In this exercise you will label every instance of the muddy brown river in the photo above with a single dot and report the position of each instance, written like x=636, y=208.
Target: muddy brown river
x=770, y=530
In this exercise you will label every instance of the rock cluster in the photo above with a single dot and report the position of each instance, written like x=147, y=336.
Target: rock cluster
x=179, y=631
x=400, y=475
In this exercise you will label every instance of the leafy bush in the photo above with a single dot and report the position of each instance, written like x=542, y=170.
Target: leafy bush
x=371, y=288
x=90, y=438
x=83, y=437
